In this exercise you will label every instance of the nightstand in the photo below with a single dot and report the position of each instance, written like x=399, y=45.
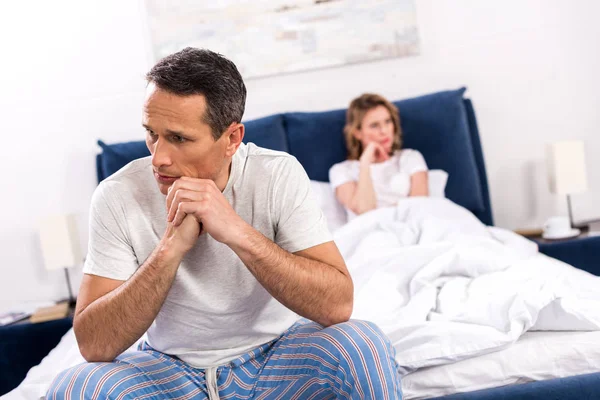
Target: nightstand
x=582, y=251
x=23, y=345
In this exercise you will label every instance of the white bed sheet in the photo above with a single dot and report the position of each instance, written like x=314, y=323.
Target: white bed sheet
x=37, y=382
x=535, y=356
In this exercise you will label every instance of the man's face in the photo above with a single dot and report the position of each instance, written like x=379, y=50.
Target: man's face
x=180, y=142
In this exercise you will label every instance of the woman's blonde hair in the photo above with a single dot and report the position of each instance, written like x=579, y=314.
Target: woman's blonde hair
x=356, y=112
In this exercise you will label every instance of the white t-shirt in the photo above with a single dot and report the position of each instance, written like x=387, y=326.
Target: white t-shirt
x=216, y=310
x=391, y=178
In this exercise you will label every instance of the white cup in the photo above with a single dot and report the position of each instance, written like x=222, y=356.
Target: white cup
x=557, y=226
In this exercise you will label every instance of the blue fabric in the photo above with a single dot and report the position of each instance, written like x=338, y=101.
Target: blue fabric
x=352, y=360
x=581, y=253
x=484, y=215
x=24, y=345
x=437, y=125
x=116, y=156
x=267, y=132
x=317, y=140
x=579, y=387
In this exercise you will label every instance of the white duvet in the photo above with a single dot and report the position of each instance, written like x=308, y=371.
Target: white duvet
x=444, y=287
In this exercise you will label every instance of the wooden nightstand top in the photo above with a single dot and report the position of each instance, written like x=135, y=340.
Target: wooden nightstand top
x=28, y=320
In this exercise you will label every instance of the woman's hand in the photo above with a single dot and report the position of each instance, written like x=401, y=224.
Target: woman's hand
x=374, y=153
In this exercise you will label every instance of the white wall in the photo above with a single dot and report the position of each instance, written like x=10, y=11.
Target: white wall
x=72, y=72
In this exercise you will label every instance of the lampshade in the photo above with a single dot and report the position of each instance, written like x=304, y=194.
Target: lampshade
x=566, y=167
x=60, y=243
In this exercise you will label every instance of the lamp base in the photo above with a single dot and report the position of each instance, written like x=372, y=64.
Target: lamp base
x=71, y=304
x=71, y=299
x=570, y=210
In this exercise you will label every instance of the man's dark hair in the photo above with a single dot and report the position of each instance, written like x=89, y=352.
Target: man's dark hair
x=199, y=71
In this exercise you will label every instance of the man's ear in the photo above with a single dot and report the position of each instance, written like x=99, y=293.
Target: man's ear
x=235, y=135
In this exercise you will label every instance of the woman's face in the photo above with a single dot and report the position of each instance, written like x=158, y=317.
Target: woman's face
x=377, y=126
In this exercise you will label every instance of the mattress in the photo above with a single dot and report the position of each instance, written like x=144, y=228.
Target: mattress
x=536, y=356
x=579, y=387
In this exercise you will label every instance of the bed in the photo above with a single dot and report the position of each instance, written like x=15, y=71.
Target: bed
x=442, y=126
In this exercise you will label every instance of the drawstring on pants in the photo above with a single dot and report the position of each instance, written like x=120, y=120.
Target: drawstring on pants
x=211, y=383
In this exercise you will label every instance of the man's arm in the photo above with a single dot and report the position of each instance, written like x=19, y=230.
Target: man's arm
x=313, y=283
x=111, y=314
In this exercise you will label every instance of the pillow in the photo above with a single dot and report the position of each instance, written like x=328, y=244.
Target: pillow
x=116, y=156
x=267, y=132
x=316, y=139
x=437, y=125
x=335, y=213
x=437, y=179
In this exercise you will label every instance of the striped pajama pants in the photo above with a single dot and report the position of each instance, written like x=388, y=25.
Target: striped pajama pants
x=351, y=360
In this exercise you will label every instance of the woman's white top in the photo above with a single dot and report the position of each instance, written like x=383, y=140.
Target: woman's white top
x=391, y=178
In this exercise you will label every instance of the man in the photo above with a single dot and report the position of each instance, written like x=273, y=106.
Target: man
x=214, y=264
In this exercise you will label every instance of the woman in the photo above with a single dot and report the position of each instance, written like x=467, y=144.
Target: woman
x=377, y=172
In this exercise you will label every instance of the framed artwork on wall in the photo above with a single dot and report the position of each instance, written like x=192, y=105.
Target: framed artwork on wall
x=271, y=37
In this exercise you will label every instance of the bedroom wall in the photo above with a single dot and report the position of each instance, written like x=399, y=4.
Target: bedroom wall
x=72, y=72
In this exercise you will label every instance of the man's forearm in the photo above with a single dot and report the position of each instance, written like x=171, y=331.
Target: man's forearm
x=312, y=289
x=112, y=323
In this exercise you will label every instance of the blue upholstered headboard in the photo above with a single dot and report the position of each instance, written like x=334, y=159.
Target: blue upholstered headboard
x=442, y=126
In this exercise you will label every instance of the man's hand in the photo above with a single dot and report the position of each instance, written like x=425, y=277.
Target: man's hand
x=184, y=236
x=202, y=199
x=313, y=282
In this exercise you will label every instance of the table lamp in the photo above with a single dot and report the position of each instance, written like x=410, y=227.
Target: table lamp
x=60, y=245
x=566, y=170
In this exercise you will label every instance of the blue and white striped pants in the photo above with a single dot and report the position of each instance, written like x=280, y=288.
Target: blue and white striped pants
x=352, y=360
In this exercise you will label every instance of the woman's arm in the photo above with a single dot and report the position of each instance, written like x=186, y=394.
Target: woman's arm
x=419, y=184
x=358, y=196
